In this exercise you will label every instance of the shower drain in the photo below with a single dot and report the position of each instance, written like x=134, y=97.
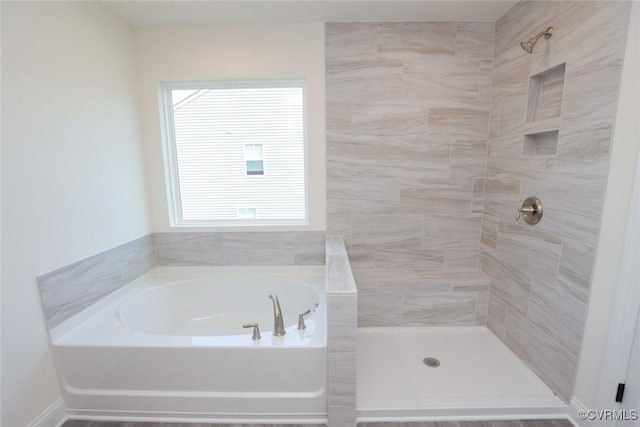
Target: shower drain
x=431, y=362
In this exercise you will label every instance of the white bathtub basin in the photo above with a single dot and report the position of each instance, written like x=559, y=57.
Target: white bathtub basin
x=170, y=346
x=201, y=308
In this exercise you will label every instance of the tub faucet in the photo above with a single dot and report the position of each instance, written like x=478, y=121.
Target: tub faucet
x=278, y=323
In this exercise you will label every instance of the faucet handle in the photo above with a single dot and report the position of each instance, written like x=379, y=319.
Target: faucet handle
x=301, y=324
x=256, y=330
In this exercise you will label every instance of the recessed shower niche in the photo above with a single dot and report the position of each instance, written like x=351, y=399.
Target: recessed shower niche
x=544, y=104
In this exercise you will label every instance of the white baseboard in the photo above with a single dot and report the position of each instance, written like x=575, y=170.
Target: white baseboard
x=576, y=406
x=54, y=416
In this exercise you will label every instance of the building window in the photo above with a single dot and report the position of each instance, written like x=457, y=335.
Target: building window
x=253, y=159
x=247, y=213
x=219, y=135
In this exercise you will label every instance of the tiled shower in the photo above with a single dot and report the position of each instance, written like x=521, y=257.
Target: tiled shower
x=437, y=132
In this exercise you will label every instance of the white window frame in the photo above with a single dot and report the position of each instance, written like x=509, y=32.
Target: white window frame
x=171, y=159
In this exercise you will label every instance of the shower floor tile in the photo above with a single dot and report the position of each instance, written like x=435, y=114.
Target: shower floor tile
x=477, y=377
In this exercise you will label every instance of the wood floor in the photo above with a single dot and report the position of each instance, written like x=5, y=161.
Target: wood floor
x=523, y=423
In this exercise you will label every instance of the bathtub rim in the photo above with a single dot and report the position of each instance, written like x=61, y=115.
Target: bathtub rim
x=63, y=334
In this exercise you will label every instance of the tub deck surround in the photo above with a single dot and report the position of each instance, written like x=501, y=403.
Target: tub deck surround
x=240, y=248
x=70, y=289
x=407, y=127
x=342, y=323
x=541, y=274
x=163, y=346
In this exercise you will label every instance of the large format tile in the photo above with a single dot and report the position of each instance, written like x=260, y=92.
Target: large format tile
x=576, y=265
x=351, y=41
x=403, y=40
x=387, y=232
x=547, y=358
x=388, y=119
x=439, y=309
x=558, y=315
x=69, y=290
x=475, y=39
x=508, y=283
x=189, y=248
x=353, y=80
x=136, y=258
x=439, y=196
x=442, y=78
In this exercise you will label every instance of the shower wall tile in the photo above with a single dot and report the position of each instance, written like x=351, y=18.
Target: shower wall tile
x=546, y=357
x=541, y=274
x=410, y=259
x=576, y=265
x=474, y=39
x=497, y=316
x=558, y=315
x=421, y=297
x=407, y=141
x=246, y=248
x=342, y=318
x=387, y=232
x=342, y=379
x=461, y=259
x=343, y=312
x=440, y=196
x=446, y=309
x=489, y=236
x=353, y=42
x=69, y=290
x=377, y=80
x=402, y=40
x=468, y=158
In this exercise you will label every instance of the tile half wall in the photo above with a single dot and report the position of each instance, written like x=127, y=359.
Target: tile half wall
x=70, y=289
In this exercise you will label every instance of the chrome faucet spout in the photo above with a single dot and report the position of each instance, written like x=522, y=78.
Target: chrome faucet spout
x=278, y=323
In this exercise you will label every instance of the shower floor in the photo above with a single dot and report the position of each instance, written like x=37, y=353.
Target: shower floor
x=478, y=377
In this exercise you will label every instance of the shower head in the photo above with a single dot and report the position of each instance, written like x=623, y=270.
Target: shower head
x=528, y=44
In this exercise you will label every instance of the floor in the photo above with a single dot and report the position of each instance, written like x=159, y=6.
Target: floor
x=527, y=423
x=478, y=376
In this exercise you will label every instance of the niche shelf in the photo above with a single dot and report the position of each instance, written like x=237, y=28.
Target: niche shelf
x=544, y=103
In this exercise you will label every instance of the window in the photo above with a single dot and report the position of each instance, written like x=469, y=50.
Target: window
x=229, y=145
x=254, y=160
x=247, y=213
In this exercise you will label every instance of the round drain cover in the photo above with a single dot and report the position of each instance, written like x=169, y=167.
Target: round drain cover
x=431, y=362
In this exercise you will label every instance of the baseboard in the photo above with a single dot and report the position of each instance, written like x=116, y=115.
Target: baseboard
x=54, y=416
x=576, y=407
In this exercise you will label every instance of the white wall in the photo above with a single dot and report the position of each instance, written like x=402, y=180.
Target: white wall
x=232, y=52
x=622, y=167
x=72, y=170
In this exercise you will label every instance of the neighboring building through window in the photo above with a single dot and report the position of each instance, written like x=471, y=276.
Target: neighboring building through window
x=247, y=213
x=229, y=145
x=254, y=160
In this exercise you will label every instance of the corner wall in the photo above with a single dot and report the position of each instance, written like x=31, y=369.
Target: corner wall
x=72, y=171
x=407, y=126
x=240, y=51
x=541, y=274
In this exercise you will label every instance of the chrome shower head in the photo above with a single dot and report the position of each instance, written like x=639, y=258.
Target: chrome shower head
x=528, y=44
